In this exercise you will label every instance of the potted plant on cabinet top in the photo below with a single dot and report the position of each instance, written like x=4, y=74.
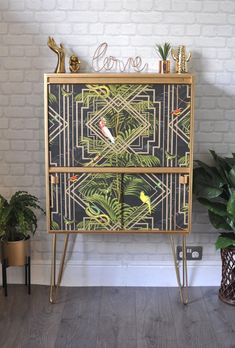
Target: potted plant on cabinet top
x=17, y=222
x=164, y=51
x=214, y=187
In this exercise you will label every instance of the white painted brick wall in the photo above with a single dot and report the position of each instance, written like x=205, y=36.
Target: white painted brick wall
x=130, y=27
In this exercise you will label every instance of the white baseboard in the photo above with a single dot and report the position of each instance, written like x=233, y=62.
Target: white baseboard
x=200, y=273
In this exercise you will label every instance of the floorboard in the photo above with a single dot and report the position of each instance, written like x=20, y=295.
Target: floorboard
x=222, y=318
x=192, y=323
x=79, y=322
x=155, y=328
x=117, y=322
x=114, y=317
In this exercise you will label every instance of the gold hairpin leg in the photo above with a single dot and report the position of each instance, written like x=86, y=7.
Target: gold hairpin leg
x=55, y=285
x=53, y=269
x=185, y=271
x=183, y=285
x=61, y=271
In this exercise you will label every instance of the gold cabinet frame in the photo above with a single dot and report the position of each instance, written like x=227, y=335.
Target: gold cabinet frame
x=115, y=78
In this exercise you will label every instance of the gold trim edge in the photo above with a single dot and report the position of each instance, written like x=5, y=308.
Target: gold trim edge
x=124, y=170
x=153, y=231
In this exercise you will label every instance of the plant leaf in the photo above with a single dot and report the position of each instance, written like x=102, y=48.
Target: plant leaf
x=215, y=207
x=218, y=221
x=204, y=191
x=224, y=242
x=231, y=204
x=232, y=175
x=163, y=50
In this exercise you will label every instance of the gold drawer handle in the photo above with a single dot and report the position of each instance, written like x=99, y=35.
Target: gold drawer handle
x=54, y=179
x=184, y=179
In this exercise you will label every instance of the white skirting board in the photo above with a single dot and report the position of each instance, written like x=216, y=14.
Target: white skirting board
x=200, y=273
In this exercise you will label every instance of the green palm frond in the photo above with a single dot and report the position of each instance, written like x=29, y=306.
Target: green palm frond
x=109, y=204
x=95, y=146
x=184, y=209
x=184, y=161
x=17, y=217
x=134, y=185
x=52, y=98
x=98, y=184
x=121, y=89
x=184, y=124
x=132, y=160
x=89, y=225
x=142, y=105
x=54, y=225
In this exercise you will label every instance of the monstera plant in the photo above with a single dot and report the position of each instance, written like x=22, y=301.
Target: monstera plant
x=214, y=187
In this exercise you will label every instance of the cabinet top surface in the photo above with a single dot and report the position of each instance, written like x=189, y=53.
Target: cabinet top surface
x=134, y=75
x=119, y=77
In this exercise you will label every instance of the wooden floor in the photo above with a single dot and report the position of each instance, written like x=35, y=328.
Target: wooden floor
x=115, y=318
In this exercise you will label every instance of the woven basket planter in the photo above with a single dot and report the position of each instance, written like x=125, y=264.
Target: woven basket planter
x=227, y=288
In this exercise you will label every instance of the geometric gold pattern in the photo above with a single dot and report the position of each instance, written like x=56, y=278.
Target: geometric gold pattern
x=103, y=126
x=149, y=121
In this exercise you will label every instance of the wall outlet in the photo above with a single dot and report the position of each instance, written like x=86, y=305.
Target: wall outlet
x=192, y=253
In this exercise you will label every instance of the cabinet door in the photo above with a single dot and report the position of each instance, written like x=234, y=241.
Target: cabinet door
x=123, y=125
x=119, y=202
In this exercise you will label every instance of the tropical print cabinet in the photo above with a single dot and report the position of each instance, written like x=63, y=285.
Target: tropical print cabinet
x=118, y=152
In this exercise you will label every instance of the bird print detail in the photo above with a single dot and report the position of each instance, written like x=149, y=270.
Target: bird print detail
x=73, y=178
x=145, y=199
x=169, y=156
x=104, y=129
x=65, y=93
x=176, y=112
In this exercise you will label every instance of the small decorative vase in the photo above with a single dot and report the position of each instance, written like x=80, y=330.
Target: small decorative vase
x=164, y=66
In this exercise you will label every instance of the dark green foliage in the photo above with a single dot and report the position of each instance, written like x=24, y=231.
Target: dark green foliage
x=17, y=217
x=163, y=50
x=214, y=187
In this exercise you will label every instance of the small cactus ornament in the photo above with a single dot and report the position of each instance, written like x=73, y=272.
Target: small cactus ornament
x=179, y=55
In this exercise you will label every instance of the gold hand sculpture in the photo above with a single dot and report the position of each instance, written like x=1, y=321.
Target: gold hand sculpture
x=59, y=50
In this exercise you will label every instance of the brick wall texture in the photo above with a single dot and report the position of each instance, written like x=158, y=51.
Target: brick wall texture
x=131, y=27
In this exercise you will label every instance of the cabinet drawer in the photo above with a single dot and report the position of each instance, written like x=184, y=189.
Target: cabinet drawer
x=119, y=125
x=119, y=202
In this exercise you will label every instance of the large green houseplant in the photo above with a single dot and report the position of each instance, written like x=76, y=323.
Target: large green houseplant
x=17, y=222
x=214, y=187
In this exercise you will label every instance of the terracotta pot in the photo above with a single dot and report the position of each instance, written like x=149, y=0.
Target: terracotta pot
x=227, y=288
x=15, y=252
x=164, y=66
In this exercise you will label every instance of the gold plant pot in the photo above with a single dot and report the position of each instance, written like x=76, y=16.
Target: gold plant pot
x=164, y=66
x=15, y=252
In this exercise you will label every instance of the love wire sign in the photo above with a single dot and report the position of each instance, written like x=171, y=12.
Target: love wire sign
x=101, y=61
